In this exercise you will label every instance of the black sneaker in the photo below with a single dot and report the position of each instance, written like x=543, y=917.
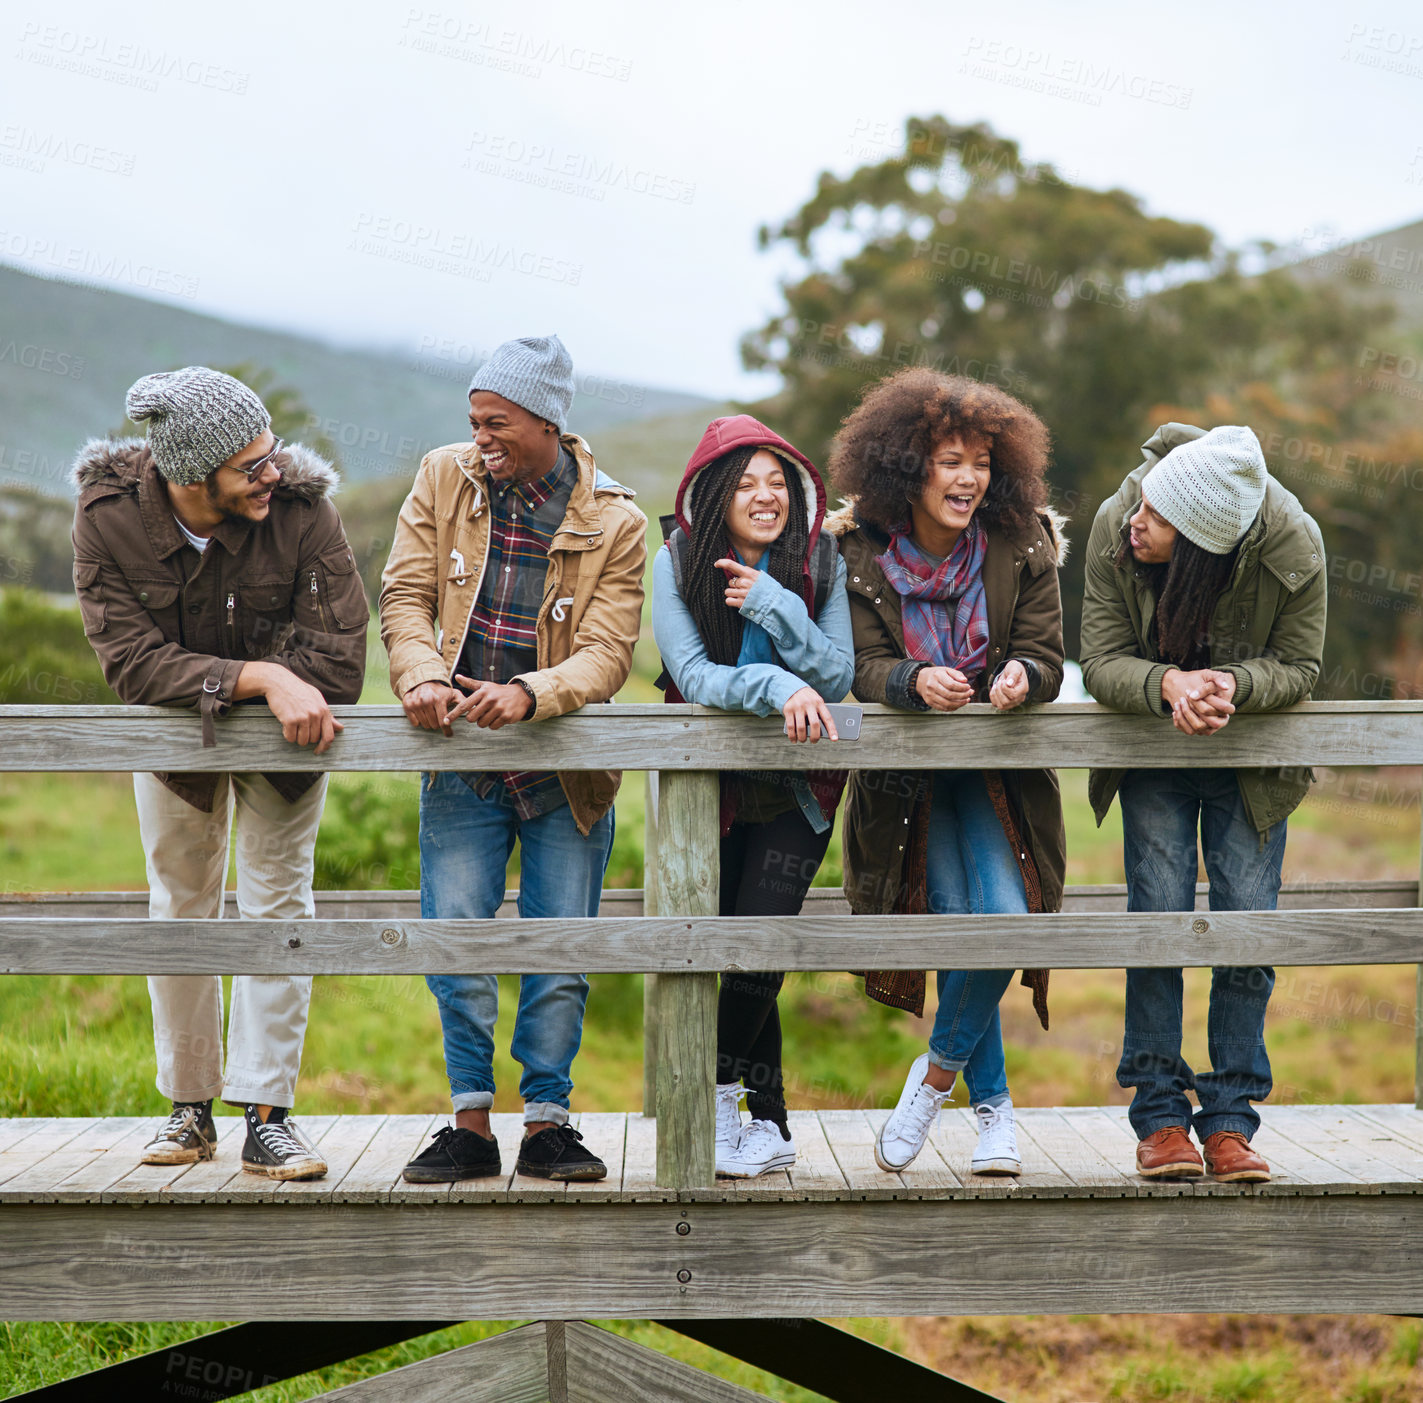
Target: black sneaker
x=558, y=1153
x=278, y=1149
x=454, y=1154
x=187, y=1136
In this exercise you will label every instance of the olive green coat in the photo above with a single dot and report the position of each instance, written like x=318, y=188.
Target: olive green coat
x=1267, y=629
x=1024, y=622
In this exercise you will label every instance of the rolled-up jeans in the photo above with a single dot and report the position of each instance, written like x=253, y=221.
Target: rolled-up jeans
x=465, y=845
x=186, y=853
x=1161, y=810
x=971, y=870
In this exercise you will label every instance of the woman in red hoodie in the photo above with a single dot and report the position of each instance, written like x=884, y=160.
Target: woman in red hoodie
x=750, y=614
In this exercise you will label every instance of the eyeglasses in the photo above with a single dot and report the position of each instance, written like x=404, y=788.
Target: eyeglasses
x=252, y=470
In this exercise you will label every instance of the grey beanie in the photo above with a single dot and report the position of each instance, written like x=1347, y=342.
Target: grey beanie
x=535, y=372
x=1211, y=488
x=197, y=419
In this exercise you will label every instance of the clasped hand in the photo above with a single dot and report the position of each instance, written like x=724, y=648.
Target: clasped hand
x=433, y=706
x=1201, y=702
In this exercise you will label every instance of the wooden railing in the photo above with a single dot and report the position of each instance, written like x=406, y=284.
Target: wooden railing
x=679, y=941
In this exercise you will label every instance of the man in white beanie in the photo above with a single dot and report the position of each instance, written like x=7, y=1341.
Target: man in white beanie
x=212, y=569
x=1205, y=594
x=513, y=593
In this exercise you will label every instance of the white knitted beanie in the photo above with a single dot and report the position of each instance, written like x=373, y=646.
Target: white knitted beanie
x=1211, y=488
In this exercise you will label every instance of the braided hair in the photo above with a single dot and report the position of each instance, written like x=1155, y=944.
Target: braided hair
x=703, y=585
x=1187, y=589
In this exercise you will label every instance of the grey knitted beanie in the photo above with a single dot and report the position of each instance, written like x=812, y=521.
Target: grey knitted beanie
x=535, y=372
x=1211, y=488
x=197, y=419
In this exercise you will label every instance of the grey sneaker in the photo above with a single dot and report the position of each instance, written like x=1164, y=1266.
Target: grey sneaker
x=187, y=1136
x=729, y=1128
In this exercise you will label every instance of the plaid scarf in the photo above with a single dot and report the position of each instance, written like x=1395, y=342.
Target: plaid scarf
x=931, y=633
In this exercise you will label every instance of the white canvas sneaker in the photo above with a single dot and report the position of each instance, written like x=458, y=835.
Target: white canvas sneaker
x=729, y=1129
x=762, y=1149
x=902, y=1136
x=997, y=1151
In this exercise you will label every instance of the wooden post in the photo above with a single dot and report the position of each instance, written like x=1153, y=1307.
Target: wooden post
x=688, y=866
x=650, y=1007
x=1418, y=1004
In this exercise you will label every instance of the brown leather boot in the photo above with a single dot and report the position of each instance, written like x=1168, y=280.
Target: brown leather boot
x=1167, y=1154
x=1230, y=1158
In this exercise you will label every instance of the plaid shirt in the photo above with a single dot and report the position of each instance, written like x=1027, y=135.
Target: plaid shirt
x=502, y=640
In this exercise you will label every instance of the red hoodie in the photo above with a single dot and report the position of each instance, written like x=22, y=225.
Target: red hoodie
x=742, y=431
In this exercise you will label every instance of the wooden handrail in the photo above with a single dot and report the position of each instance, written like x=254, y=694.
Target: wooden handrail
x=682, y=737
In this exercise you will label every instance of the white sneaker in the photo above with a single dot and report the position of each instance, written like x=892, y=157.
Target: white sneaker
x=997, y=1151
x=762, y=1149
x=902, y=1136
x=729, y=1129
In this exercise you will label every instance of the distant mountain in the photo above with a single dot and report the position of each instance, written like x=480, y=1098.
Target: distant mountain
x=69, y=352
x=1385, y=267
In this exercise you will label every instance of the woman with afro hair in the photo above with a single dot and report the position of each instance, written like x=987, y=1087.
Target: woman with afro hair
x=750, y=614
x=952, y=556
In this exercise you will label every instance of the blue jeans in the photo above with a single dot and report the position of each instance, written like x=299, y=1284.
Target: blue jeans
x=971, y=871
x=1160, y=813
x=465, y=844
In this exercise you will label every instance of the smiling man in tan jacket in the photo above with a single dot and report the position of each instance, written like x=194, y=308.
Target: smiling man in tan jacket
x=513, y=593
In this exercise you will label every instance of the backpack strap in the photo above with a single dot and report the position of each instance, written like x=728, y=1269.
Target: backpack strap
x=822, y=569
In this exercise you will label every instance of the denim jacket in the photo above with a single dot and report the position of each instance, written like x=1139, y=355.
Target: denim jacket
x=777, y=626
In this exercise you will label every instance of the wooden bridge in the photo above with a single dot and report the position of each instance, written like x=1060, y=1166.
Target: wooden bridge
x=89, y=1234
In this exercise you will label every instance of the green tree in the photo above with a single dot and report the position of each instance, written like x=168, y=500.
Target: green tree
x=958, y=254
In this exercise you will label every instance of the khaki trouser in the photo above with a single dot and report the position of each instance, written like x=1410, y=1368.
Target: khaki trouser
x=186, y=852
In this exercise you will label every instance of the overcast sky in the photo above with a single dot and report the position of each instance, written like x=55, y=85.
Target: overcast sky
x=445, y=177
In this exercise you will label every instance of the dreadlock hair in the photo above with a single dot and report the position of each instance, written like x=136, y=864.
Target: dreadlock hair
x=1187, y=588
x=703, y=585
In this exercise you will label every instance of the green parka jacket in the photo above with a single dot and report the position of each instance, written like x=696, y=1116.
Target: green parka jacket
x=884, y=812
x=1267, y=630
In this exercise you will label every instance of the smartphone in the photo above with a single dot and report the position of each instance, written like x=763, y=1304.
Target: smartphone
x=847, y=719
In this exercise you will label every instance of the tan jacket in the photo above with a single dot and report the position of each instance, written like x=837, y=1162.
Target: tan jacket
x=592, y=605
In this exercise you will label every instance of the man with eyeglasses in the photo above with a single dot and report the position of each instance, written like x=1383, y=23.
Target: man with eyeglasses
x=212, y=569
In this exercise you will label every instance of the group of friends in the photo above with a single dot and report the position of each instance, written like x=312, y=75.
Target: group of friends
x=212, y=569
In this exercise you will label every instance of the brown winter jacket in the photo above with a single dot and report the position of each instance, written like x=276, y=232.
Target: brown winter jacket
x=173, y=628
x=886, y=815
x=592, y=604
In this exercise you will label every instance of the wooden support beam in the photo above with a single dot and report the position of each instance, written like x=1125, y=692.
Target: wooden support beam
x=695, y=946
x=651, y=1008
x=1340, y=1253
x=604, y=1366
x=688, y=823
x=507, y=1368
x=648, y=737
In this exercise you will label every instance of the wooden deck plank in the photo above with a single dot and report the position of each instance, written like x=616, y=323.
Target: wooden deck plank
x=1398, y=1150
x=34, y=1149
x=640, y=1162
x=376, y=1171
x=18, y=1128
x=40, y=1182
x=605, y=1133
x=151, y=1183
x=816, y=1169
x=1340, y=1140
x=852, y=1142
x=342, y=1144
x=1404, y=1122
x=1092, y=1174
x=88, y=1183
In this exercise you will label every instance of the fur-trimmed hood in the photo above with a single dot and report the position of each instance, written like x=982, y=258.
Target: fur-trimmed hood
x=843, y=519
x=118, y=463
